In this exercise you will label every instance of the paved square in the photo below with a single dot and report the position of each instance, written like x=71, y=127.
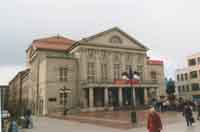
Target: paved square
x=44, y=124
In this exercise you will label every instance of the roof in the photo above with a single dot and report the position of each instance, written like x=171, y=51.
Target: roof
x=18, y=75
x=112, y=29
x=155, y=62
x=53, y=43
x=107, y=31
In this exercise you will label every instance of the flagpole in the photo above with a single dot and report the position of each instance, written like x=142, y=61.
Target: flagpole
x=132, y=88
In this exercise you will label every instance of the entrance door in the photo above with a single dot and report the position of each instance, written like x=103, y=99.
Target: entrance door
x=139, y=92
x=114, y=97
x=126, y=94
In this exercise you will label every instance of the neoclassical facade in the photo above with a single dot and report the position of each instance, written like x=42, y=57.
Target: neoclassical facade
x=88, y=68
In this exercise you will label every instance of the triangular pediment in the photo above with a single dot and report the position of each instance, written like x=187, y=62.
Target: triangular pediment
x=115, y=37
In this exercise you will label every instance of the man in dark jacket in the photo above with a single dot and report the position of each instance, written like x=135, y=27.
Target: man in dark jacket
x=187, y=112
x=198, y=111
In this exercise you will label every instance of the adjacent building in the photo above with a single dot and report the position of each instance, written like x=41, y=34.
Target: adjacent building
x=188, y=79
x=4, y=96
x=87, y=69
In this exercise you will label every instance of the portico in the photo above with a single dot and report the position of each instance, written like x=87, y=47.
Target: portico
x=117, y=97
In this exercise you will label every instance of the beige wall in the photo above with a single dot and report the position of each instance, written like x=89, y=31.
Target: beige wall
x=54, y=85
x=159, y=69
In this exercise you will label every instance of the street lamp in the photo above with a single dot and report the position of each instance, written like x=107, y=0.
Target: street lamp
x=65, y=91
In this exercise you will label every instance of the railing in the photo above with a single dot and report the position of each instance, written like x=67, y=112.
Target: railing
x=109, y=82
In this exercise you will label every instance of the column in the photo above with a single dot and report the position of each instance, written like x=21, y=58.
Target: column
x=106, y=97
x=91, y=98
x=146, y=96
x=134, y=96
x=156, y=92
x=120, y=96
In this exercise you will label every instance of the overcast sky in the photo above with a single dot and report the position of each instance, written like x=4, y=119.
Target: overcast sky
x=170, y=28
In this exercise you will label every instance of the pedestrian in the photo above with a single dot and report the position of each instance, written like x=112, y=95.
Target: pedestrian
x=12, y=126
x=29, y=118
x=198, y=111
x=154, y=123
x=187, y=113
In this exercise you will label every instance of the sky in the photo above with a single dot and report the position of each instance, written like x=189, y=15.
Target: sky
x=170, y=28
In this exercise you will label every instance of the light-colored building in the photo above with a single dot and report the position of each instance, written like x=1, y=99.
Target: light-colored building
x=188, y=79
x=87, y=68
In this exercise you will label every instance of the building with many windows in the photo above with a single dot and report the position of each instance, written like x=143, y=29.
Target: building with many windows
x=87, y=69
x=188, y=79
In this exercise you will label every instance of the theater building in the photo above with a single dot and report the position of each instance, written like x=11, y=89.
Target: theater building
x=91, y=69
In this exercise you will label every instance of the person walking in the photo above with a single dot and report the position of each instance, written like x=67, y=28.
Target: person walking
x=154, y=123
x=12, y=126
x=187, y=113
x=198, y=111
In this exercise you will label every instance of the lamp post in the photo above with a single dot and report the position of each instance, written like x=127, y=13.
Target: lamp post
x=65, y=91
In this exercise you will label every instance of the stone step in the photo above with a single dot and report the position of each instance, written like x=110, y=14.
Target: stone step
x=97, y=121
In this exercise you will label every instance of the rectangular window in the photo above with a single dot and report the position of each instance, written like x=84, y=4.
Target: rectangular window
x=63, y=74
x=104, y=74
x=178, y=78
x=193, y=74
x=116, y=71
x=192, y=62
x=91, y=72
x=182, y=77
x=183, y=88
x=195, y=86
x=188, y=88
x=186, y=76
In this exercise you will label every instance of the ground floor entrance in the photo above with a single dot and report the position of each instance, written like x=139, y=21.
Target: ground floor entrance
x=101, y=98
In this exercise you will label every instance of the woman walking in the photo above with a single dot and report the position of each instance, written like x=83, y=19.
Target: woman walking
x=198, y=111
x=154, y=123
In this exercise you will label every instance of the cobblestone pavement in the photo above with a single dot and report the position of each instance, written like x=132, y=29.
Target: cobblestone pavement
x=44, y=124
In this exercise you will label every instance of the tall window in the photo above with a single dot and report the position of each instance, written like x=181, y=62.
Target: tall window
x=153, y=75
x=193, y=74
x=63, y=74
x=116, y=71
x=186, y=76
x=91, y=72
x=178, y=78
x=188, y=88
x=183, y=88
x=182, y=77
x=104, y=74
